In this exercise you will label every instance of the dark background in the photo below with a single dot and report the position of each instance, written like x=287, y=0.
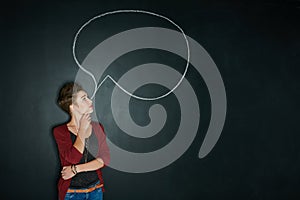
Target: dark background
x=255, y=45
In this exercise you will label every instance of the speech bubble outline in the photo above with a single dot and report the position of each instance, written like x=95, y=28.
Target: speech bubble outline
x=108, y=76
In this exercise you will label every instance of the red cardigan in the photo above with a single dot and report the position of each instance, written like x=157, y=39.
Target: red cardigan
x=69, y=155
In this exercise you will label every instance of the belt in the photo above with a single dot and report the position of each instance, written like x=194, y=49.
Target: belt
x=85, y=190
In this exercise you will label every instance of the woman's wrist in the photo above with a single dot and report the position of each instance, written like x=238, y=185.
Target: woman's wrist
x=80, y=134
x=80, y=168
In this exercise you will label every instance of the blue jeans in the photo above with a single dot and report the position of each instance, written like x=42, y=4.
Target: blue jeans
x=97, y=194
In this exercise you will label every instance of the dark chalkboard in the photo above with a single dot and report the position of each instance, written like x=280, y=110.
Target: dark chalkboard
x=254, y=44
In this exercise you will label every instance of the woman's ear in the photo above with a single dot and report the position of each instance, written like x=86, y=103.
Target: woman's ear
x=71, y=107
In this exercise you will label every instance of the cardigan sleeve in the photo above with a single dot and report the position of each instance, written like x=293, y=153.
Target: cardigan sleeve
x=103, y=150
x=66, y=149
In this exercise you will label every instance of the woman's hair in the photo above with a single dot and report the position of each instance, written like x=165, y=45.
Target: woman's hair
x=67, y=95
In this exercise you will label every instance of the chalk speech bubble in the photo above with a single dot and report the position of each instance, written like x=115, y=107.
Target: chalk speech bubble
x=97, y=86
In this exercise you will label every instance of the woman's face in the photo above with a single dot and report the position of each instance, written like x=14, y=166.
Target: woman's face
x=82, y=103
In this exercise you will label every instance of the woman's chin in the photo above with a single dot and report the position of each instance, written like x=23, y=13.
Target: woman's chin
x=90, y=111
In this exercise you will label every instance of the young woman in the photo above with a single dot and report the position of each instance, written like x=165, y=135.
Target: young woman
x=81, y=145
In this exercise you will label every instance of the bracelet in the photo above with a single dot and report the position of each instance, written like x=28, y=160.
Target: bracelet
x=74, y=169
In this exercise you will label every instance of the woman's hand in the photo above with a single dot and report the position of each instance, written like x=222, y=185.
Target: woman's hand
x=85, y=121
x=85, y=127
x=67, y=172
